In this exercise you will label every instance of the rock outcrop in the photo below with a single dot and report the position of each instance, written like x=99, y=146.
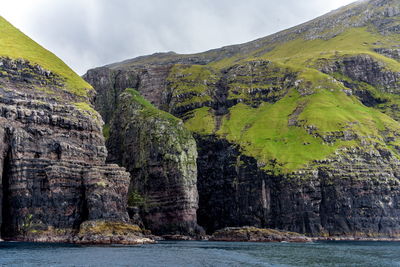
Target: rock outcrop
x=161, y=156
x=53, y=175
x=52, y=159
x=110, y=83
x=296, y=131
x=252, y=234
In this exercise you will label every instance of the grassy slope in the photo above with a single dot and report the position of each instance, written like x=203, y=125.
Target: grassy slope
x=14, y=44
x=264, y=132
x=194, y=79
x=148, y=110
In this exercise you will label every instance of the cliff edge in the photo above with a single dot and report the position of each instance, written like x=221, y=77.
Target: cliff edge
x=53, y=176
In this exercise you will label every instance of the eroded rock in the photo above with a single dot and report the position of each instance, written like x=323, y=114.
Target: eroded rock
x=161, y=156
x=253, y=234
x=52, y=159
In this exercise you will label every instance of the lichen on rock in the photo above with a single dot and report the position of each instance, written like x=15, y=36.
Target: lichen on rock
x=253, y=234
x=161, y=156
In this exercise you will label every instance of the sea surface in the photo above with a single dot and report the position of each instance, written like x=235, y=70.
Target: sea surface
x=188, y=253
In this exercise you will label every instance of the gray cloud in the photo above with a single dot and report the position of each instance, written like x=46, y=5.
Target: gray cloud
x=91, y=33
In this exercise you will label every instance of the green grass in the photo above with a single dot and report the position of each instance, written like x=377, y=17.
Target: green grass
x=106, y=131
x=330, y=111
x=201, y=121
x=16, y=45
x=265, y=79
x=265, y=132
x=87, y=109
x=148, y=110
x=193, y=82
x=303, y=53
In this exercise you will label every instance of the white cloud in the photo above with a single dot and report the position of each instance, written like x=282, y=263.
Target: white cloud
x=90, y=33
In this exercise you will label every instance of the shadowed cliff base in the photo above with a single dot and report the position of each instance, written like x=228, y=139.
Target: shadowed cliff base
x=5, y=219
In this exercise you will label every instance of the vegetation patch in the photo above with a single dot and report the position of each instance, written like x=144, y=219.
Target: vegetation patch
x=147, y=109
x=326, y=116
x=87, y=109
x=201, y=121
x=106, y=131
x=191, y=84
x=108, y=228
x=135, y=199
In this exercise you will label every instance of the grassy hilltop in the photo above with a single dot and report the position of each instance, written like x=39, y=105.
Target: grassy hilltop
x=16, y=45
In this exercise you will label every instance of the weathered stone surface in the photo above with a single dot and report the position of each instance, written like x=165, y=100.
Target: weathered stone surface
x=106, y=232
x=354, y=194
x=368, y=79
x=150, y=81
x=252, y=234
x=389, y=52
x=366, y=69
x=96, y=232
x=161, y=156
x=234, y=191
x=52, y=155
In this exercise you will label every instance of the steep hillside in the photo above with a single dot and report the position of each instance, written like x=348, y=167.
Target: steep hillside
x=16, y=45
x=54, y=183
x=297, y=130
x=161, y=156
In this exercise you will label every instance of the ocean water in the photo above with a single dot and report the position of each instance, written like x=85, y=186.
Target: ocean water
x=204, y=254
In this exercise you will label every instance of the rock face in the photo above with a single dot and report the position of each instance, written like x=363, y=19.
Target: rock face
x=53, y=175
x=161, y=156
x=365, y=69
x=296, y=131
x=368, y=79
x=52, y=163
x=151, y=82
x=354, y=194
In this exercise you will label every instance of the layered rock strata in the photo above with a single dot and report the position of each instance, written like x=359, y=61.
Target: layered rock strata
x=352, y=194
x=52, y=154
x=161, y=156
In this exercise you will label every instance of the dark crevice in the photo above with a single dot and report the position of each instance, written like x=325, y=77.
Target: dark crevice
x=6, y=221
x=221, y=104
x=84, y=210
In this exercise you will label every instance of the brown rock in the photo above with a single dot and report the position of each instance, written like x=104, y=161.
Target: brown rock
x=253, y=234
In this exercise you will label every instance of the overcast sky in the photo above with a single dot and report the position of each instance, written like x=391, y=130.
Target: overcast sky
x=92, y=33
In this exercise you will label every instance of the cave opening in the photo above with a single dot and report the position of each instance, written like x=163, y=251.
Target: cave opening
x=5, y=206
x=84, y=209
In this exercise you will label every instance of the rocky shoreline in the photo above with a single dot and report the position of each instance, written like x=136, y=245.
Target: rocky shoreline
x=100, y=233
x=253, y=234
